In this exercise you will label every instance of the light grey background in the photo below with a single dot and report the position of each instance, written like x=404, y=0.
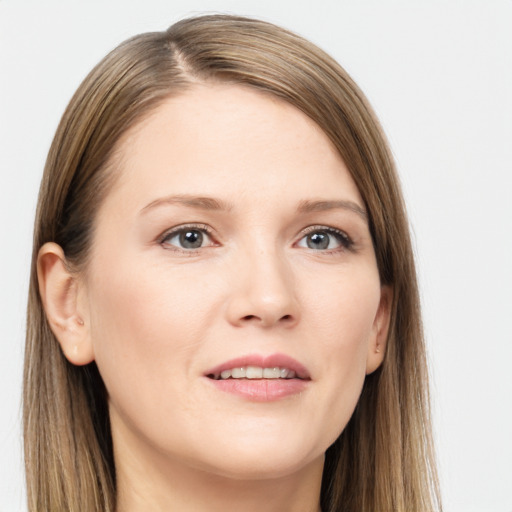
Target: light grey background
x=439, y=75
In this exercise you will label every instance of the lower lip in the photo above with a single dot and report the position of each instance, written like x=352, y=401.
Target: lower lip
x=261, y=390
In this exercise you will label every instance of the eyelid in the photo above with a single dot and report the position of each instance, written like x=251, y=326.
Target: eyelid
x=345, y=240
x=176, y=230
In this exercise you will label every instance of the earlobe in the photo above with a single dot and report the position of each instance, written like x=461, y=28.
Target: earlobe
x=377, y=345
x=60, y=290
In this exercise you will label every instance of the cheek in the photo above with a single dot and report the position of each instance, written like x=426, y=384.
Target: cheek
x=146, y=326
x=344, y=323
x=343, y=306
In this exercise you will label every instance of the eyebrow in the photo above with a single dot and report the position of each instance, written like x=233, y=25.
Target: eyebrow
x=202, y=203
x=321, y=206
x=212, y=204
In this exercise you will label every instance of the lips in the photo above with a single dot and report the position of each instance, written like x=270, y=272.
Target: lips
x=249, y=366
x=260, y=378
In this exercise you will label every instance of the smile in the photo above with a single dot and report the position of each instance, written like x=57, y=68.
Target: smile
x=260, y=378
x=257, y=366
x=254, y=372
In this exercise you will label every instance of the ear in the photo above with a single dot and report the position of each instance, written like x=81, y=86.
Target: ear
x=379, y=334
x=61, y=294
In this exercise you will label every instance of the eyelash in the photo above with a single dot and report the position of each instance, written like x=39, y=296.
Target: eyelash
x=345, y=241
x=168, y=235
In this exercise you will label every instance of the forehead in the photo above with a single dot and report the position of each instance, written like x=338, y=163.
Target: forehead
x=229, y=140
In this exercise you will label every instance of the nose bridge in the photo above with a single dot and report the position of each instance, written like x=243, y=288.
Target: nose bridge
x=264, y=289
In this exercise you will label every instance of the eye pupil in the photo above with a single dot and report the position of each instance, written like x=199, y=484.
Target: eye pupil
x=318, y=240
x=192, y=239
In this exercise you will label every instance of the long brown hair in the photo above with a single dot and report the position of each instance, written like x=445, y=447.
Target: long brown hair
x=383, y=460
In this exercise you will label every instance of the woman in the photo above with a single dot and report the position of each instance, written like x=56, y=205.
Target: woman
x=223, y=310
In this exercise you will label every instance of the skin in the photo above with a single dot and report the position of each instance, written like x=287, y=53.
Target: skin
x=156, y=316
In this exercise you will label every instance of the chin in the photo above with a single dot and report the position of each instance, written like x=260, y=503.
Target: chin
x=259, y=468
x=257, y=460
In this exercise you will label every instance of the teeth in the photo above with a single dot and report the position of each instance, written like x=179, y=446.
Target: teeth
x=256, y=372
x=238, y=373
x=271, y=373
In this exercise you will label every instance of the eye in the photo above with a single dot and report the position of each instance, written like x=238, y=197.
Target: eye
x=187, y=238
x=323, y=238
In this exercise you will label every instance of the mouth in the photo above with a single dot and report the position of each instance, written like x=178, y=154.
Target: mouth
x=260, y=378
x=255, y=366
x=254, y=372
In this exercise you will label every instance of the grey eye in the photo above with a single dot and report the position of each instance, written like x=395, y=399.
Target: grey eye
x=191, y=239
x=325, y=239
x=318, y=240
x=187, y=238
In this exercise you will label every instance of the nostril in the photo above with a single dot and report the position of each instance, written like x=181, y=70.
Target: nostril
x=255, y=317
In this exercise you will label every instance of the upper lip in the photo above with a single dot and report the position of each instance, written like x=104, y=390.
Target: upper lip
x=263, y=361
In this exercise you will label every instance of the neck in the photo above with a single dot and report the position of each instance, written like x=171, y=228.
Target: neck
x=207, y=493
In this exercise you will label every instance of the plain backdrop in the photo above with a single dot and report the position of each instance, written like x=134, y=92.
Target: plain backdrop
x=439, y=75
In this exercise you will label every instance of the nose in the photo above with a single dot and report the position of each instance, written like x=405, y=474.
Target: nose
x=263, y=292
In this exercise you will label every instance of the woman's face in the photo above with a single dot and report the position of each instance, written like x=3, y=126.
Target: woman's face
x=232, y=251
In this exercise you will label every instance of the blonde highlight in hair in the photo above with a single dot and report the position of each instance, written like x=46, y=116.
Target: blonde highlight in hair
x=384, y=459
